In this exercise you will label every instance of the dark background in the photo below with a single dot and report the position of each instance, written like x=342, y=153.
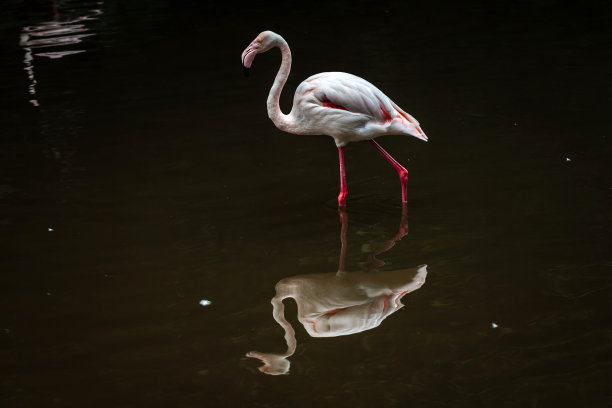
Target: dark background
x=152, y=160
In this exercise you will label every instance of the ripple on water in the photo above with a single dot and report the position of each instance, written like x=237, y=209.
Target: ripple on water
x=57, y=34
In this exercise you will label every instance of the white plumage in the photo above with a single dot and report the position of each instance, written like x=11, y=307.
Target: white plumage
x=367, y=112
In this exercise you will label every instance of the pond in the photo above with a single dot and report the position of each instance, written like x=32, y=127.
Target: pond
x=164, y=244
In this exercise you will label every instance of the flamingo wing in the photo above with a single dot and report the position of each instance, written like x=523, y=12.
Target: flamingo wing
x=339, y=90
x=349, y=109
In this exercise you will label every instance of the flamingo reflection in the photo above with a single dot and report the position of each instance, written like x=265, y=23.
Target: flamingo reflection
x=341, y=303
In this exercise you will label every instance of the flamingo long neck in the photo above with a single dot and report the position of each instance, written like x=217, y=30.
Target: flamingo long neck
x=281, y=120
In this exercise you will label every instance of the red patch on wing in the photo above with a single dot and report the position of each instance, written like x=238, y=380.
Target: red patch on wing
x=329, y=104
x=386, y=115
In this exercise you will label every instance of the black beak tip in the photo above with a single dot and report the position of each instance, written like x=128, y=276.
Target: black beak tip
x=246, y=71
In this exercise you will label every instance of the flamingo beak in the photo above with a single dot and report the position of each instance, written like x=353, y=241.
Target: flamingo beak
x=247, y=58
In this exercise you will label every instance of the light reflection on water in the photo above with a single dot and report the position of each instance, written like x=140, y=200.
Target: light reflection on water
x=59, y=32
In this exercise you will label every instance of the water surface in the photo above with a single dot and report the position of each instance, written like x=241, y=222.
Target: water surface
x=140, y=176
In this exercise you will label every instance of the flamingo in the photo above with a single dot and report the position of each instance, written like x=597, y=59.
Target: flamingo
x=343, y=106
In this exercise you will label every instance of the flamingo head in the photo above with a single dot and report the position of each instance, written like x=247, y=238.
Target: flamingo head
x=262, y=43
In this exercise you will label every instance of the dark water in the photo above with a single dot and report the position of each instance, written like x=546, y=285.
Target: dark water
x=140, y=175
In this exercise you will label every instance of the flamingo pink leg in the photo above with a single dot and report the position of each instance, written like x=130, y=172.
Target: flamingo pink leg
x=343, y=190
x=401, y=171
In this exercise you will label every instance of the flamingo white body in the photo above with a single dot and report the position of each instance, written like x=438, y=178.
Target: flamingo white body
x=343, y=106
x=347, y=108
